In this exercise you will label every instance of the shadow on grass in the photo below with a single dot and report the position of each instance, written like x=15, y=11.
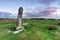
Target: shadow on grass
x=12, y=28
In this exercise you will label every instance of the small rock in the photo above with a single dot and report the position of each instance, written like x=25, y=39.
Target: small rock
x=9, y=31
x=18, y=31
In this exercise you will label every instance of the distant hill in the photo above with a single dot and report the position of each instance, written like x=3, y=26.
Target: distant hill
x=43, y=19
x=7, y=15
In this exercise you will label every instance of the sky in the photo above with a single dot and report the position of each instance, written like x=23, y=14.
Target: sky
x=32, y=8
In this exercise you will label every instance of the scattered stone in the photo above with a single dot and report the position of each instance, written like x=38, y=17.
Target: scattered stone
x=15, y=32
x=9, y=31
x=18, y=31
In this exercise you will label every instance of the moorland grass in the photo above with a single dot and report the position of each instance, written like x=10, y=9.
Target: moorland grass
x=35, y=30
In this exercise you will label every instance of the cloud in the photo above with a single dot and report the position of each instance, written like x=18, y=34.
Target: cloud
x=51, y=10
x=46, y=1
x=37, y=12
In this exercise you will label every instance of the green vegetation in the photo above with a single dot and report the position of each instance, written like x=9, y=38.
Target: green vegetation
x=36, y=30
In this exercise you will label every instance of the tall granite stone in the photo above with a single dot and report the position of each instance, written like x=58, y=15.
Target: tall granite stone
x=19, y=20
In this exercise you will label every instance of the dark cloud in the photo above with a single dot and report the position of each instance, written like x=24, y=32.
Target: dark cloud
x=41, y=13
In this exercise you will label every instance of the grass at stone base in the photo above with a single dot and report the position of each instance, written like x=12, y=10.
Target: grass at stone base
x=36, y=30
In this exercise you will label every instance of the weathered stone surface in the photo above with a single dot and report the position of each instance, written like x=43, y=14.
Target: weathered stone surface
x=19, y=20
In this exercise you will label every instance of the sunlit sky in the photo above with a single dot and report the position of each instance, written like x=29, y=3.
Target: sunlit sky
x=32, y=8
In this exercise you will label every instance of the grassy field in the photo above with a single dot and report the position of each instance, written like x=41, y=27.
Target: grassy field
x=35, y=30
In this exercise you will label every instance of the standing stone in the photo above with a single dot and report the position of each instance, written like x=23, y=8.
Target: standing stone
x=19, y=20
